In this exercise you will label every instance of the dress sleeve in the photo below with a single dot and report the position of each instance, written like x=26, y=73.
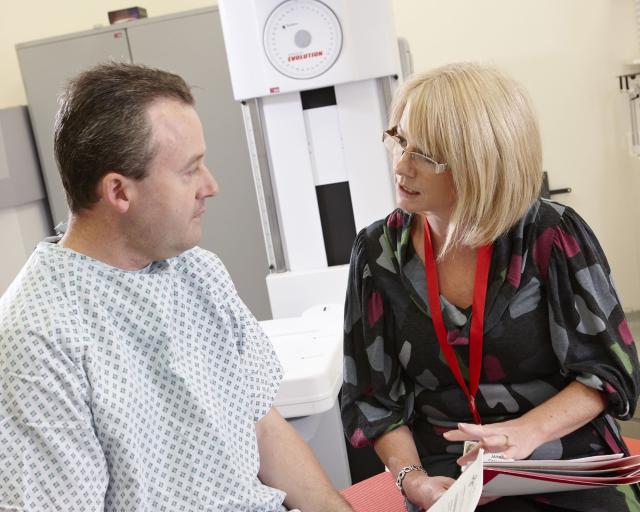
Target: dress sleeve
x=588, y=328
x=374, y=399
x=50, y=457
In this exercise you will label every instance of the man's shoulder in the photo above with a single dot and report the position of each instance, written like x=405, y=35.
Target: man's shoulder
x=197, y=259
x=203, y=267
x=33, y=302
x=197, y=255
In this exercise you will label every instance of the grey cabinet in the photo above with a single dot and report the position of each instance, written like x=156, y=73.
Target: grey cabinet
x=45, y=68
x=191, y=45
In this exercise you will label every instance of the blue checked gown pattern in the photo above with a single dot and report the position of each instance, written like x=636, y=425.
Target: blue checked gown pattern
x=131, y=391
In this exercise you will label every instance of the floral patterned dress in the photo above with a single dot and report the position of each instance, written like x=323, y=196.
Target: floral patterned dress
x=552, y=316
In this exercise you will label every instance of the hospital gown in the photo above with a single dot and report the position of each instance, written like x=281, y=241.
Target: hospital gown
x=552, y=316
x=131, y=391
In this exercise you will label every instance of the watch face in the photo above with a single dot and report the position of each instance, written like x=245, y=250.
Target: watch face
x=302, y=38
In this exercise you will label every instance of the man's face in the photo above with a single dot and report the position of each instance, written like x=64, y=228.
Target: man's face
x=166, y=215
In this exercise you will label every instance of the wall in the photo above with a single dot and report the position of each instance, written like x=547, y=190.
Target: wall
x=27, y=20
x=566, y=53
x=22, y=228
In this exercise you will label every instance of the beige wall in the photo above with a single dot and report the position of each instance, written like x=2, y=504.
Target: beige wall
x=27, y=20
x=566, y=52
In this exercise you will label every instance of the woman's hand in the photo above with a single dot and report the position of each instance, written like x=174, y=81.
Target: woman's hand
x=424, y=490
x=514, y=439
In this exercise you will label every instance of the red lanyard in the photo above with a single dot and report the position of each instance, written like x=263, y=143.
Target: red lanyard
x=477, y=318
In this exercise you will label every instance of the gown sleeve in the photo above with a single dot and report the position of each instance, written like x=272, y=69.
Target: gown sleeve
x=50, y=456
x=589, y=332
x=262, y=368
x=374, y=398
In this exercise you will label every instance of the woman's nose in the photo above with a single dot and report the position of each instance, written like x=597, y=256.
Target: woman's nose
x=402, y=165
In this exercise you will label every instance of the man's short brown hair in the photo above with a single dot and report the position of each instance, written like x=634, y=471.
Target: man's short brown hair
x=102, y=125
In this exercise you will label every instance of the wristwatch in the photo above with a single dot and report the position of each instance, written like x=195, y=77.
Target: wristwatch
x=404, y=472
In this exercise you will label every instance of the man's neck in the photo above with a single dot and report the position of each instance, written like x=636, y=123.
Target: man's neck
x=102, y=241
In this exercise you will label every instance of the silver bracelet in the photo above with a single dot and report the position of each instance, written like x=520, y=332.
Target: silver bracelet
x=404, y=472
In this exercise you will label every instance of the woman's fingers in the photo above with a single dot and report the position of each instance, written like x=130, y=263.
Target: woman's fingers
x=491, y=438
x=468, y=457
x=465, y=432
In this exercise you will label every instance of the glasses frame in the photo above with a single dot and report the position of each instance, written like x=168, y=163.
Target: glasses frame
x=392, y=135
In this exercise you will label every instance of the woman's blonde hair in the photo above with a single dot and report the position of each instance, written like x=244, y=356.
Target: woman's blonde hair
x=481, y=123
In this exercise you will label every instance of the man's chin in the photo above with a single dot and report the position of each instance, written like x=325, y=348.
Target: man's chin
x=176, y=250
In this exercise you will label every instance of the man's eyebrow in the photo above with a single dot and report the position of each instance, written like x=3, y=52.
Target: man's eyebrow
x=193, y=160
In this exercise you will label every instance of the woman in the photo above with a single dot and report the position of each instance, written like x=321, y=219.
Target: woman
x=477, y=311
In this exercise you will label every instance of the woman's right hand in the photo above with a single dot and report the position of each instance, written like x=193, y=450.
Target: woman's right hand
x=423, y=490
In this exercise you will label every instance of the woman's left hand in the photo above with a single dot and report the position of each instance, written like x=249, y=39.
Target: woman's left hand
x=511, y=438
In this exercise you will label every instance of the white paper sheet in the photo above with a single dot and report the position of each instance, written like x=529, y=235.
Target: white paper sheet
x=464, y=494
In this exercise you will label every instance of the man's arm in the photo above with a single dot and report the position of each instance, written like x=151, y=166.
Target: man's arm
x=287, y=463
x=50, y=456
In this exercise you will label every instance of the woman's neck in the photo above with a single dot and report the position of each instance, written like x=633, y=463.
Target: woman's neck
x=438, y=227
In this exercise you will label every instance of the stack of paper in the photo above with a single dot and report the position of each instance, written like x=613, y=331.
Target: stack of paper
x=508, y=478
x=501, y=477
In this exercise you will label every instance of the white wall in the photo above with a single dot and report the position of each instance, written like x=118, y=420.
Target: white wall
x=22, y=228
x=566, y=52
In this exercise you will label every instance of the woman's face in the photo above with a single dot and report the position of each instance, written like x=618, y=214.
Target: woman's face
x=418, y=188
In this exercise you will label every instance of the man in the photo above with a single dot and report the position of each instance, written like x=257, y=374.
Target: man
x=132, y=376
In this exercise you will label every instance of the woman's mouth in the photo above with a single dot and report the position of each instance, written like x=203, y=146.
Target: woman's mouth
x=408, y=191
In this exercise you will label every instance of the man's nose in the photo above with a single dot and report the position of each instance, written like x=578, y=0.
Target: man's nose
x=210, y=188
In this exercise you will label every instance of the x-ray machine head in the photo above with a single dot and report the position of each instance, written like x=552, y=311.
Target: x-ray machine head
x=315, y=80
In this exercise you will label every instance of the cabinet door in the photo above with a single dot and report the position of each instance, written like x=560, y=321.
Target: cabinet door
x=192, y=46
x=46, y=66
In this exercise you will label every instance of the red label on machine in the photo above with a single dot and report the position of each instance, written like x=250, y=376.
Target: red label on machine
x=305, y=56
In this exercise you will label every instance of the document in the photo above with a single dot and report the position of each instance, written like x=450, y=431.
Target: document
x=464, y=494
x=493, y=475
x=509, y=478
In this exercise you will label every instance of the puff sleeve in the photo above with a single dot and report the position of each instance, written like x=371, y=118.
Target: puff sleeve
x=588, y=328
x=374, y=398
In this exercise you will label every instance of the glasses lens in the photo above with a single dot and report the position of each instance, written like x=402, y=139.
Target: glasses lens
x=392, y=145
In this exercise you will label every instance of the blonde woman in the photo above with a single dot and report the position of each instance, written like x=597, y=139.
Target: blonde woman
x=476, y=310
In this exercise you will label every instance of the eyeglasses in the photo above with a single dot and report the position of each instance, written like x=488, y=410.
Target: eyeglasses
x=396, y=145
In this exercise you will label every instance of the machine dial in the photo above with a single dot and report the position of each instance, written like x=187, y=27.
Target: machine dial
x=302, y=38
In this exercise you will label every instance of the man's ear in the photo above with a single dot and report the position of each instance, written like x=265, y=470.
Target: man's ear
x=117, y=191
